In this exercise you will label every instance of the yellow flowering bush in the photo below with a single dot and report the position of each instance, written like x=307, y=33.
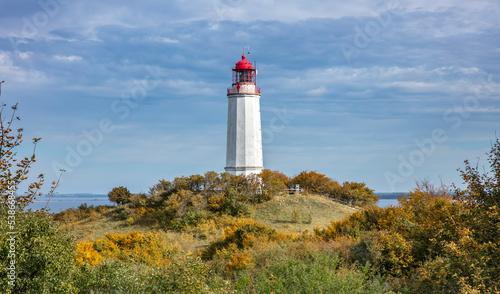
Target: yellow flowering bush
x=148, y=249
x=244, y=234
x=240, y=261
x=87, y=254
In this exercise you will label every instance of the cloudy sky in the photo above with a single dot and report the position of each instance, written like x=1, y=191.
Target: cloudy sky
x=130, y=92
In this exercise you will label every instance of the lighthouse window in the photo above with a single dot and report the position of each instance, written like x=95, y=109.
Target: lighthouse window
x=245, y=76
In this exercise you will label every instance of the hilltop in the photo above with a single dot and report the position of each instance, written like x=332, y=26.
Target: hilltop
x=285, y=213
x=192, y=210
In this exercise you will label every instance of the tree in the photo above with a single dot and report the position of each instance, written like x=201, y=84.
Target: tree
x=10, y=176
x=314, y=182
x=211, y=182
x=159, y=188
x=273, y=183
x=482, y=188
x=120, y=195
x=479, y=245
x=196, y=183
x=357, y=193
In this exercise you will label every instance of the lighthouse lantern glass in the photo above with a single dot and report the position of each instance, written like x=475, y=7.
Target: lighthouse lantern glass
x=244, y=76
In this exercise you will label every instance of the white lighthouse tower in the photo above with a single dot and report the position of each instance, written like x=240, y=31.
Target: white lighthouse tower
x=244, y=135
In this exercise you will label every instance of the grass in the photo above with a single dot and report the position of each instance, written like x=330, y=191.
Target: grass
x=296, y=213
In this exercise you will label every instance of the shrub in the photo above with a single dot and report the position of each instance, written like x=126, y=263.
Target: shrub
x=86, y=253
x=302, y=268
x=388, y=252
x=295, y=216
x=188, y=274
x=314, y=182
x=147, y=249
x=185, y=274
x=106, y=247
x=353, y=225
x=211, y=182
x=44, y=255
x=103, y=209
x=356, y=194
x=161, y=190
x=230, y=203
x=435, y=276
x=113, y=276
x=119, y=195
x=273, y=183
x=140, y=200
x=240, y=261
x=483, y=188
x=244, y=234
x=217, y=202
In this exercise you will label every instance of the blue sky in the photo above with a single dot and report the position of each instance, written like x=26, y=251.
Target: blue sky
x=130, y=92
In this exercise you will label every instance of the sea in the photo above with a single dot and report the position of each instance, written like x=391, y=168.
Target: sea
x=59, y=202
x=387, y=199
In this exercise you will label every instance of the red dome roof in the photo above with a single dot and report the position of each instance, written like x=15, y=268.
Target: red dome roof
x=243, y=63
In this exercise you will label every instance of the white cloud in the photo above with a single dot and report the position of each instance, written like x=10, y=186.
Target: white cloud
x=25, y=55
x=70, y=58
x=317, y=81
x=160, y=39
x=318, y=91
x=20, y=75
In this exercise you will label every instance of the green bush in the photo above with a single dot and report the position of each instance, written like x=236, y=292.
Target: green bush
x=120, y=195
x=188, y=274
x=303, y=268
x=44, y=255
x=388, y=253
x=113, y=276
x=356, y=193
x=295, y=216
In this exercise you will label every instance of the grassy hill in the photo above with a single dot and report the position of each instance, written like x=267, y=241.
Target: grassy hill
x=296, y=213
x=286, y=213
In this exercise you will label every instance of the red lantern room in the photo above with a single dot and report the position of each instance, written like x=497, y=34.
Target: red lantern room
x=244, y=78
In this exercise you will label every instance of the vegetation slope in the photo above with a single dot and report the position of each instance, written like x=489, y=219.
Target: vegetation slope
x=249, y=237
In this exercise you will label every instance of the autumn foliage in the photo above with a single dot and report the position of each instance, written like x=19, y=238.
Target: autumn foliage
x=244, y=234
x=349, y=192
x=120, y=195
x=148, y=249
x=435, y=241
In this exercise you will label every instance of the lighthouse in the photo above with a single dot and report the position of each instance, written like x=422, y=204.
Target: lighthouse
x=244, y=135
